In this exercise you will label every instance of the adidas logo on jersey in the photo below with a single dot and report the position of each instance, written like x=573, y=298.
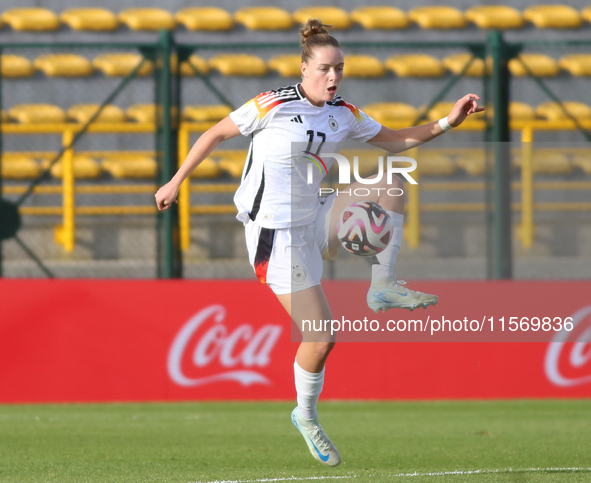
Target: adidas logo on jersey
x=297, y=119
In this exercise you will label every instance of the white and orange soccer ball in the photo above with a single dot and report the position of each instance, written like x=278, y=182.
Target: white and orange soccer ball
x=364, y=228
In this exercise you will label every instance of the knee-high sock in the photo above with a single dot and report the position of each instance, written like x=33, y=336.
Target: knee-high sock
x=308, y=388
x=382, y=268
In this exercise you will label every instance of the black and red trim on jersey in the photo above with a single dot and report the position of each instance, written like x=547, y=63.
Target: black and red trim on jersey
x=268, y=100
x=263, y=255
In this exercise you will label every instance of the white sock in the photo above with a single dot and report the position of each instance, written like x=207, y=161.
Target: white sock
x=308, y=388
x=382, y=268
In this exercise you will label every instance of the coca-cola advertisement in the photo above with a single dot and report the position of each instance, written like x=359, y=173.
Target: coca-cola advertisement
x=83, y=340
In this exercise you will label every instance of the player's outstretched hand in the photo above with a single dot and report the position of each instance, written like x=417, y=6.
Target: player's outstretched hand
x=463, y=108
x=166, y=196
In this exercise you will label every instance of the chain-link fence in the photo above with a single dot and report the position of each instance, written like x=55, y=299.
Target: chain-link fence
x=104, y=223
x=79, y=159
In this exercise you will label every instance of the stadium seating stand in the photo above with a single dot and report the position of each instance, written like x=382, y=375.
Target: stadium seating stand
x=264, y=18
x=415, y=65
x=205, y=18
x=337, y=17
x=384, y=18
x=495, y=17
x=31, y=19
x=147, y=19
x=553, y=16
x=93, y=19
x=438, y=17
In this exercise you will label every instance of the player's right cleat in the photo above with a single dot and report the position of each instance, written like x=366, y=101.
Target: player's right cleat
x=394, y=295
x=318, y=442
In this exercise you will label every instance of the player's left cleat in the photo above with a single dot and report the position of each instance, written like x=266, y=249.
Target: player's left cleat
x=393, y=294
x=318, y=442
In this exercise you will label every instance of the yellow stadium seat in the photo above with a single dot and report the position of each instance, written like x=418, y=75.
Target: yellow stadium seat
x=130, y=167
x=84, y=168
x=540, y=65
x=231, y=161
x=582, y=161
x=384, y=112
x=143, y=112
x=122, y=64
x=199, y=63
x=431, y=162
x=83, y=112
x=206, y=113
x=238, y=64
x=63, y=65
x=520, y=111
x=287, y=65
x=553, y=16
x=95, y=19
x=264, y=18
x=415, y=65
x=19, y=167
x=4, y=116
x=147, y=19
x=37, y=114
x=471, y=160
x=337, y=17
x=577, y=64
x=546, y=162
x=363, y=66
x=438, y=17
x=207, y=169
x=386, y=18
x=457, y=62
x=16, y=66
x=34, y=19
x=553, y=112
x=205, y=18
x=586, y=13
x=495, y=17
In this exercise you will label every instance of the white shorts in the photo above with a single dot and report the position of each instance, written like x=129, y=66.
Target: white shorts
x=290, y=259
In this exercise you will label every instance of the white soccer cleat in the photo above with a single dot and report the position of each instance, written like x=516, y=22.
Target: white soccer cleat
x=394, y=295
x=318, y=442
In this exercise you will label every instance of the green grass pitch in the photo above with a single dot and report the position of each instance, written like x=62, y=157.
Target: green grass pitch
x=474, y=441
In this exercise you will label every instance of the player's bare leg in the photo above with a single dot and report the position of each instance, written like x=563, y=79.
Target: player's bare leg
x=385, y=292
x=311, y=304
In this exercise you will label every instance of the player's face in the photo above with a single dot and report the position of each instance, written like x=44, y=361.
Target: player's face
x=323, y=74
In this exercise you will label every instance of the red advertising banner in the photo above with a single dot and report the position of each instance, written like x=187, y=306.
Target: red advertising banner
x=83, y=340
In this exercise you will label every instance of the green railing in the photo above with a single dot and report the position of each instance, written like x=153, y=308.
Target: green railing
x=172, y=138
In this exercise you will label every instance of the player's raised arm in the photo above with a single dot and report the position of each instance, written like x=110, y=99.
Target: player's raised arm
x=413, y=136
x=207, y=142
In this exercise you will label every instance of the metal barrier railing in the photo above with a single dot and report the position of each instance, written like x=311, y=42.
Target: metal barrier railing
x=65, y=233
x=168, y=130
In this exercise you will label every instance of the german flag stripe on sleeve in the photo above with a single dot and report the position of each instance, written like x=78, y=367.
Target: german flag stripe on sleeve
x=266, y=101
x=337, y=101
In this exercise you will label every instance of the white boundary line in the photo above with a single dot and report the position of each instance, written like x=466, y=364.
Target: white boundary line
x=401, y=475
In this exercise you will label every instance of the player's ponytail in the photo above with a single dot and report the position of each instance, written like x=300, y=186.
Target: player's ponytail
x=314, y=35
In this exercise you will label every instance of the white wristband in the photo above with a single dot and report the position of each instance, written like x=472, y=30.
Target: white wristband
x=444, y=124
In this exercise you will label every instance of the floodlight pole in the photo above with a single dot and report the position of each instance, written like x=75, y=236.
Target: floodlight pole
x=502, y=266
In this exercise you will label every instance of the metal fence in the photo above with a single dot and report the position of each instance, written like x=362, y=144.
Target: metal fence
x=84, y=182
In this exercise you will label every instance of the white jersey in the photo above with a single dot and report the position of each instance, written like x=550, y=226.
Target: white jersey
x=278, y=188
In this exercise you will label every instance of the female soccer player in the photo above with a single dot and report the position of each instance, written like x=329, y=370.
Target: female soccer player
x=288, y=226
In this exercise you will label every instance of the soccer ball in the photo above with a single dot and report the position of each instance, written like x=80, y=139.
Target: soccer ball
x=364, y=228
